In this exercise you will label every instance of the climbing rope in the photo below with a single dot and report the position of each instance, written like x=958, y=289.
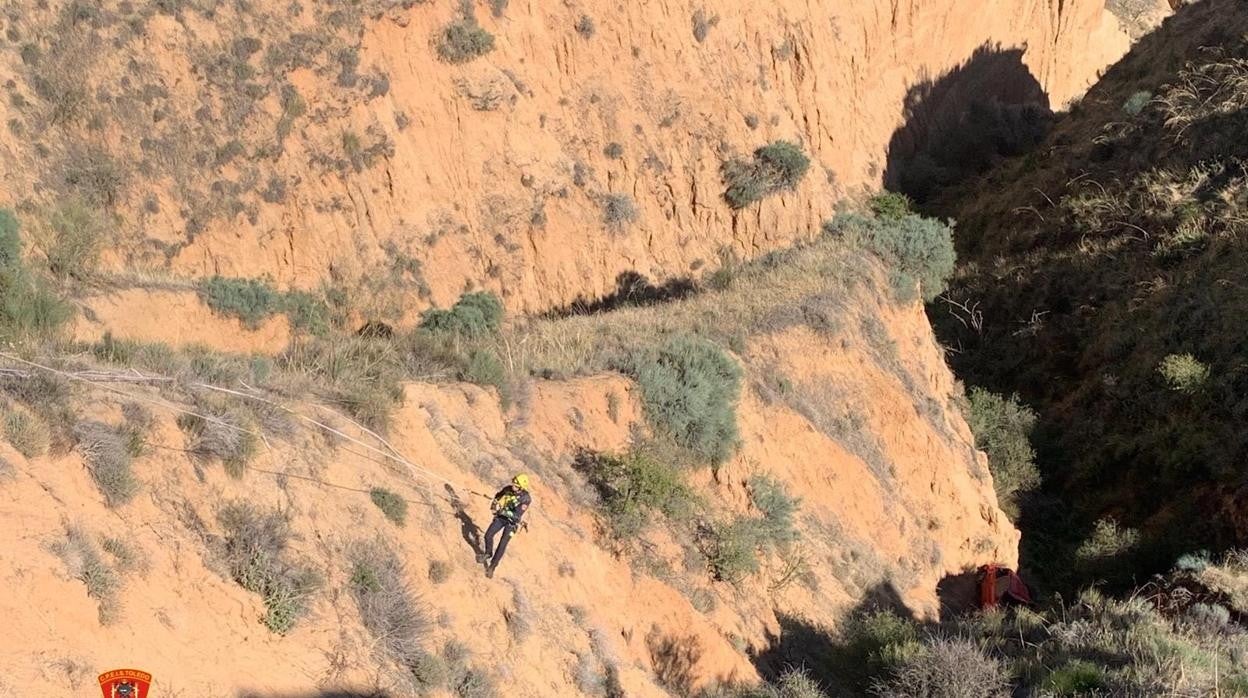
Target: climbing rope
x=390, y=452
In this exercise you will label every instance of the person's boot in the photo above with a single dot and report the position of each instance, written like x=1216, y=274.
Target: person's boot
x=489, y=572
x=482, y=558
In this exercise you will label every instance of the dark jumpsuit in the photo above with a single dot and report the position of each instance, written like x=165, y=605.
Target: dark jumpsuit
x=510, y=504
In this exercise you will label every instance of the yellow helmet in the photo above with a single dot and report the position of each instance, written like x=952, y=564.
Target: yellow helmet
x=521, y=481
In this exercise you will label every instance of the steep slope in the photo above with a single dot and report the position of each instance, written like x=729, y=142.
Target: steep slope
x=316, y=144
x=1103, y=279
x=847, y=404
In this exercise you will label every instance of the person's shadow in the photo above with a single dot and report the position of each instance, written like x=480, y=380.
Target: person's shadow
x=467, y=527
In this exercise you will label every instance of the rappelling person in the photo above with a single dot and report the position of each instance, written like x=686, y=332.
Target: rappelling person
x=508, y=506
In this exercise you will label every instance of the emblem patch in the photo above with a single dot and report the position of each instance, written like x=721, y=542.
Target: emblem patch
x=125, y=683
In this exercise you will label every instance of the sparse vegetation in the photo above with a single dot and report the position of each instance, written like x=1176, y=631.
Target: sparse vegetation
x=702, y=24
x=108, y=460
x=26, y=432
x=618, y=210
x=439, y=571
x=1002, y=428
x=389, y=609
x=585, y=27
x=82, y=558
x=776, y=167
x=254, y=550
x=390, y=504
x=227, y=437
x=76, y=234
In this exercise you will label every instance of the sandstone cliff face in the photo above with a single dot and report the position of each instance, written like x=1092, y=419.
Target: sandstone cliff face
x=891, y=503
x=330, y=146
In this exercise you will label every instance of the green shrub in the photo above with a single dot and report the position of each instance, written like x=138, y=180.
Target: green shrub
x=1137, y=102
x=1002, y=428
x=1076, y=677
x=254, y=550
x=463, y=41
x=29, y=308
x=891, y=205
x=918, y=249
x=690, y=389
x=778, y=507
x=474, y=314
x=251, y=300
x=732, y=549
x=633, y=487
x=873, y=642
x=1107, y=540
x=1184, y=373
x=108, y=460
x=391, y=504
x=777, y=166
x=26, y=432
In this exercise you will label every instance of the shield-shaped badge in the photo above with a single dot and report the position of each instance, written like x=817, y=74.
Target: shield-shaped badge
x=125, y=683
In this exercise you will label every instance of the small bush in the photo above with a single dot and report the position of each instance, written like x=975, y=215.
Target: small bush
x=1002, y=428
x=778, y=508
x=702, y=24
x=254, y=550
x=891, y=205
x=463, y=41
x=618, y=210
x=391, y=504
x=251, y=300
x=732, y=550
x=108, y=460
x=919, y=250
x=439, y=571
x=777, y=166
x=1184, y=373
x=690, y=389
x=585, y=26
x=474, y=314
x=388, y=608
x=633, y=487
x=28, y=434
x=946, y=667
x=1137, y=102
x=873, y=642
x=614, y=150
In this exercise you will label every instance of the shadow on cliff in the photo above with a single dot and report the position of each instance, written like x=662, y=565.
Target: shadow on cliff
x=961, y=123
x=840, y=663
x=632, y=289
